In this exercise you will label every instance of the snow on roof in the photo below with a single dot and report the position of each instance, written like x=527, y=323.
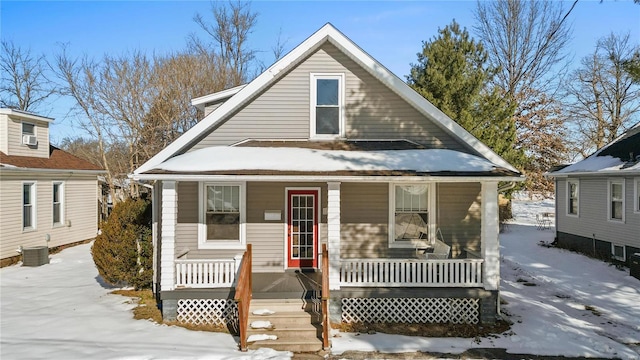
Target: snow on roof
x=620, y=156
x=223, y=158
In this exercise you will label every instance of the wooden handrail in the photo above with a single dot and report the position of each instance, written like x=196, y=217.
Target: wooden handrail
x=243, y=296
x=325, y=297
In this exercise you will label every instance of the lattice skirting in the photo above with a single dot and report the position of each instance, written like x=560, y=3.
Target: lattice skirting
x=410, y=310
x=217, y=312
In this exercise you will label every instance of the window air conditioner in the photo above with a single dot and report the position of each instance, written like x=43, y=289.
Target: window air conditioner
x=30, y=140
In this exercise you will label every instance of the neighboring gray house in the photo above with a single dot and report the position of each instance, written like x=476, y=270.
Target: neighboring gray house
x=48, y=197
x=328, y=147
x=598, y=201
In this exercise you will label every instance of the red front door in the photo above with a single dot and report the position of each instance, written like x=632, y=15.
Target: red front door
x=302, y=228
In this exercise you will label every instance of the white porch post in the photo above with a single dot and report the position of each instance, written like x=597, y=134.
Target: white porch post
x=333, y=233
x=169, y=219
x=489, y=239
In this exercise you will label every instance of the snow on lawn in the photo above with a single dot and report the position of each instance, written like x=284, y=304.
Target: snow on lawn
x=61, y=311
x=561, y=303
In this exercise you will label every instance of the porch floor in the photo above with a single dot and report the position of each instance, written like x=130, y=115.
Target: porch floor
x=288, y=285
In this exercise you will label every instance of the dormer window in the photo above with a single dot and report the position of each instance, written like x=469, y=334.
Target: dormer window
x=29, y=134
x=327, y=120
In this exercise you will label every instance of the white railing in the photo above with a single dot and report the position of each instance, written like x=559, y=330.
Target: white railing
x=411, y=273
x=205, y=273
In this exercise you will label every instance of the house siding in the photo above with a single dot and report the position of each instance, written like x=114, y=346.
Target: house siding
x=14, y=138
x=267, y=237
x=81, y=215
x=460, y=216
x=372, y=110
x=4, y=131
x=592, y=221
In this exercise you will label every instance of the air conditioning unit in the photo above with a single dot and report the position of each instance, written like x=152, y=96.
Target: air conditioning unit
x=30, y=140
x=35, y=256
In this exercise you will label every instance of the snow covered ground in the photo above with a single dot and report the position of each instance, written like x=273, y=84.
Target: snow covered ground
x=561, y=303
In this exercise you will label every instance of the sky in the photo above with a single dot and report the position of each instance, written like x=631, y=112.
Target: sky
x=561, y=304
x=390, y=31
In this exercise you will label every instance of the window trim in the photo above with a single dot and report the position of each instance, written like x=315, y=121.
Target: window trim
x=203, y=243
x=624, y=252
x=34, y=206
x=636, y=195
x=62, y=204
x=431, y=208
x=312, y=105
x=610, y=182
x=568, y=203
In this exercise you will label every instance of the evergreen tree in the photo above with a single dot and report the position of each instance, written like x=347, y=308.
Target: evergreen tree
x=452, y=74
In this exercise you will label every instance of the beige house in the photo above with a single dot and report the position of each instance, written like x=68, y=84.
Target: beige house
x=48, y=197
x=327, y=147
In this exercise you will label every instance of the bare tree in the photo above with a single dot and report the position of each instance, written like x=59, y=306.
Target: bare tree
x=79, y=78
x=602, y=99
x=230, y=30
x=24, y=84
x=526, y=41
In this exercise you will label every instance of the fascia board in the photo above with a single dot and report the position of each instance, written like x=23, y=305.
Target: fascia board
x=25, y=115
x=201, y=101
x=315, y=178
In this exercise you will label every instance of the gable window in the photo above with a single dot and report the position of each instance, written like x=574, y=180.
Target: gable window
x=58, y=203
x=410, y=209
x=222, y=215
x=326, y=106
x=29, y=206
x=616, y=200
x=573, y=194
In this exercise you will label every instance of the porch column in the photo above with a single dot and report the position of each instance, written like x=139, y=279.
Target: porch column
x=167, y=249
x=333, y=233
x=489, y=238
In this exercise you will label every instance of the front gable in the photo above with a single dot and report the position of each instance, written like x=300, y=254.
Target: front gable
x=370, y=109
x=279, y=105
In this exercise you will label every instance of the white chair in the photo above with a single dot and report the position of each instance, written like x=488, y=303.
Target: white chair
x=440, y=249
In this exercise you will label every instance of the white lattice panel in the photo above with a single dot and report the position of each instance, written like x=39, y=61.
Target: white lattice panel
x=410, y=310
x=217, y=312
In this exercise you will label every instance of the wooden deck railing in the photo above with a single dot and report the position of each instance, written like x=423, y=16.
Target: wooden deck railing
x=325, y=297
x=411, y=273
x=243, y=296
x=205, y=273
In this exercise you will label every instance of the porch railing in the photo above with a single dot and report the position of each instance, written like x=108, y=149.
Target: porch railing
x=411, y=273
x=205, y=273
x=243, y=296
x=325, y=297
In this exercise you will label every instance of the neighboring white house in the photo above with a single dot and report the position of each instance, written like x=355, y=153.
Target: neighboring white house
x=48, y=197
x=598, y=200
x=329, y=147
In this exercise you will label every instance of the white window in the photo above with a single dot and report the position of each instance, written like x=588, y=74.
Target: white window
x=411, y=221
x=58, y=203
x=636, y=196
x=616, y=200
x=327, y=97
x=573, y=196
x=618, y=252
x=28, y=129
x=29, y=206
x=222, y=215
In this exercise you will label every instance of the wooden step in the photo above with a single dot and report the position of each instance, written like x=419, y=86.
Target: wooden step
x=296, y=328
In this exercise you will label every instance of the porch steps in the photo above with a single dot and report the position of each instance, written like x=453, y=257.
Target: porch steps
x=297, y=328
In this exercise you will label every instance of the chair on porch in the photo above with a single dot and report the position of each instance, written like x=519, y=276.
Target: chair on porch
x=440, y=249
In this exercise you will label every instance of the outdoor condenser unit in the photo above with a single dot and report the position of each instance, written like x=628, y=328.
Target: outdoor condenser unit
x=35, y=256
x=634, y=265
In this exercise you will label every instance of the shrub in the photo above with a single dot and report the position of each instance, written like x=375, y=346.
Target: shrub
x=123, y=251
